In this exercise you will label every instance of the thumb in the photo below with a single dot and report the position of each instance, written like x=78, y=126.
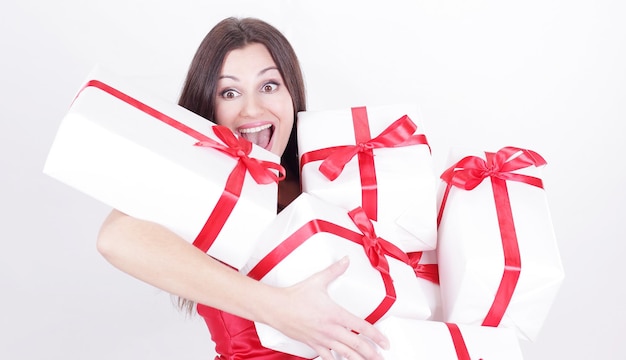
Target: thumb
x=333, y=271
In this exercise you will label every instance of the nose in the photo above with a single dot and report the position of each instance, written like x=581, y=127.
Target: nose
x=252, y=107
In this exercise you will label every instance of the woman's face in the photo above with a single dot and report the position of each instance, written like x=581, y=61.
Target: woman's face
x=252, y=99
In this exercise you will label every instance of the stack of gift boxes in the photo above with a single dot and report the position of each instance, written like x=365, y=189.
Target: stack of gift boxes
x=457, y=264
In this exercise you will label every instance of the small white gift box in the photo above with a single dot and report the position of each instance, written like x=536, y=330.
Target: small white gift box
x=499, y=263
x=310, y=235
x=377, y=158
x=434, y=340
x=138, y=153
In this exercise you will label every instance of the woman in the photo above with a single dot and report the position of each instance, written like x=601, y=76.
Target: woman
x=246, y=77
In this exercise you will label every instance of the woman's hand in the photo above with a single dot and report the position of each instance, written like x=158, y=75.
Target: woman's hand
x=321, y=323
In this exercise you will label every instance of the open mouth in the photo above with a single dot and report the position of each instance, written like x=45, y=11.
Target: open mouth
x=260, y=135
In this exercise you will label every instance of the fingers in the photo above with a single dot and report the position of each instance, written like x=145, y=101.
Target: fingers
x=347, y=335
x=354, y=347
x=324, y=354
x=342, y=342
x=369, y=331
x=335, y=270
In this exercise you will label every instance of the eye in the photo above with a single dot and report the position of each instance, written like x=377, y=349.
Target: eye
x=229, y=94
x=269, y=87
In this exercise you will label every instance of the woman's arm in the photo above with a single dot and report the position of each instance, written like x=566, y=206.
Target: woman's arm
x=155, y=255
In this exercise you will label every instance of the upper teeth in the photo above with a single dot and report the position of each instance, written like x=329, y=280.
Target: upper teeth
x=255, y=129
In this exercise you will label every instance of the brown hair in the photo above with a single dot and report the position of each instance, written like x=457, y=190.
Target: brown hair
x=200, y=87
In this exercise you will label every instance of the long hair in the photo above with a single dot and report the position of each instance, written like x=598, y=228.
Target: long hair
x=199, y=90
x=200, y=87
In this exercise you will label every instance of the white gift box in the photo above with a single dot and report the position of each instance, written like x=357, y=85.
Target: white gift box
x=304, y=243
x=471, y=252
x=405, y=180
x=434, y=340
x=132, y=151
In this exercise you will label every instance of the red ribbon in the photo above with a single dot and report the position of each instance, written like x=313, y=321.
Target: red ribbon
x=428, y=272
x=236, y=147
x=240, y=148
x=335, y=158
x=459, y=343
x=371, y=242
x=375, y=248
x=468, y=173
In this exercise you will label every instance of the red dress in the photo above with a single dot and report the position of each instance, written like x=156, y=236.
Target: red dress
x=235, y=338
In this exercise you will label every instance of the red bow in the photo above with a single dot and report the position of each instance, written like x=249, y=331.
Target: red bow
x=470, y=171
x=241, y=148
x=372, y=244
x=397, y=133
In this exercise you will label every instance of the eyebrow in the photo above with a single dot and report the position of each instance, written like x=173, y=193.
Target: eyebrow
x=263, y=71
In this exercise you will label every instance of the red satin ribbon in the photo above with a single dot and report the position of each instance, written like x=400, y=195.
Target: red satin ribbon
x=240, y=148
x=375, y=248
x=237, y=147
x=459, y=343
x=399, y=133
x=428, y=272
x=468, y=173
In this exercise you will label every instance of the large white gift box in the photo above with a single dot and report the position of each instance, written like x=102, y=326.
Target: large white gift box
x=377, y=158
x=499, y=263
x=312, y=234
x=140, y=154
x=435, y=340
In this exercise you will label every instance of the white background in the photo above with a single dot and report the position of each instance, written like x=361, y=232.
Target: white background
x=547, y=75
